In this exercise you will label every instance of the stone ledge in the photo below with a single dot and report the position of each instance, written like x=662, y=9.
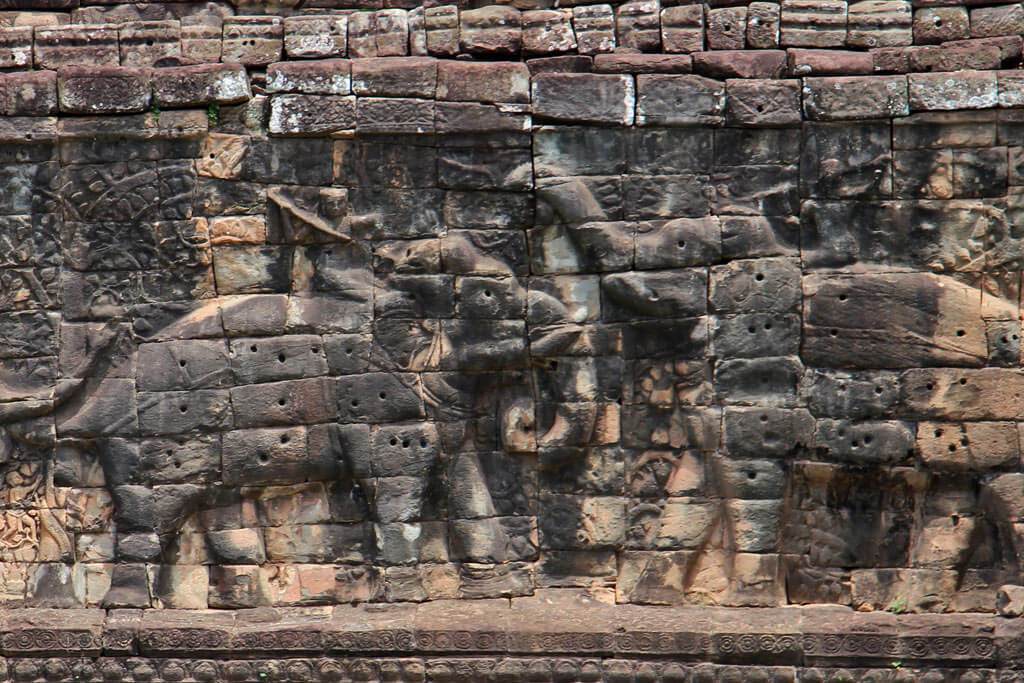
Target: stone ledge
x=551, y=623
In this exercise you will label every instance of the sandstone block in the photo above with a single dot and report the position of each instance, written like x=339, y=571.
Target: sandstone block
x=951, y=57
x=394, y=77
x=813, y=23
x=594, y=98
x=802, y=62
x=722, y=64
x=879, y=23
x=253, y=41
x=315, y=37
x=1004, y=20
x=441, y=25
x=679, y=100
x=150, y=43
x=727, y=28
x=390, y=32
x=643, y=64
x=394, y=115
x=959, y=90
x=752, y=102
x=273, y=456
x=682, y=28
x=81, y=45
x=91, y=90
x=197, y=86
x=763, y=25
x=548, y=31
x=16, y=47
x=638, y=25
x=940, y=24
x=180, y=412
x=311, y=114
x=327, y=77
x=291, y=402
x=495, y=30
x=483, y=82
x=30, y=94
x=594, y=26
x=201, y=39
x=855, y=97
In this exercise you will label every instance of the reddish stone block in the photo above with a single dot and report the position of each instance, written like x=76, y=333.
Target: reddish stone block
x=31, y=93
x=395, y=76
x=1005, y=20
x=740, y=63
x=81, y=45
x=892, y=60
x=483, y=81
x=813, y=23
x=16, y=47
x=495, y=30
x=253, y=41
x=643, y=64
x=595, y=28
x=763, y=25
x=931, y=58
x=940, y=24
x=879, y=23
x=828, y=62
x=727, y=28
x=638, y=25
x=682, y=28
x=949, y=91
x=548, y=31
x=200, y=85
x=150, y=43
x=754, y=102
x=111, y=90
x=201, y=40
x=442, y=28
x=315, y=37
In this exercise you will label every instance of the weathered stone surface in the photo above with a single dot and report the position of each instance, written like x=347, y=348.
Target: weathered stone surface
x=679, y=100
x=103, y=91
x=253, y=41
x=494, y=30
x=879, y=23
x=959, y=90
x=595, y=28
x=193, y=86
x=813, y=23
x=315, y=37
x=853, y=97
x=593, y=98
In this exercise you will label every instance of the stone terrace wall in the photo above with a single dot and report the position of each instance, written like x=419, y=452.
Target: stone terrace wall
x=385, y=328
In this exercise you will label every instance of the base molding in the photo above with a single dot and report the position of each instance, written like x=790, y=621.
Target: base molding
x=555, y=635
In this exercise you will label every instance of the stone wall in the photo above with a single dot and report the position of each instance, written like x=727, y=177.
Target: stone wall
x=698, y=305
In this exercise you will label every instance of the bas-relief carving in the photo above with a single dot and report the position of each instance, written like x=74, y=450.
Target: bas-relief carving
x=424, y=402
